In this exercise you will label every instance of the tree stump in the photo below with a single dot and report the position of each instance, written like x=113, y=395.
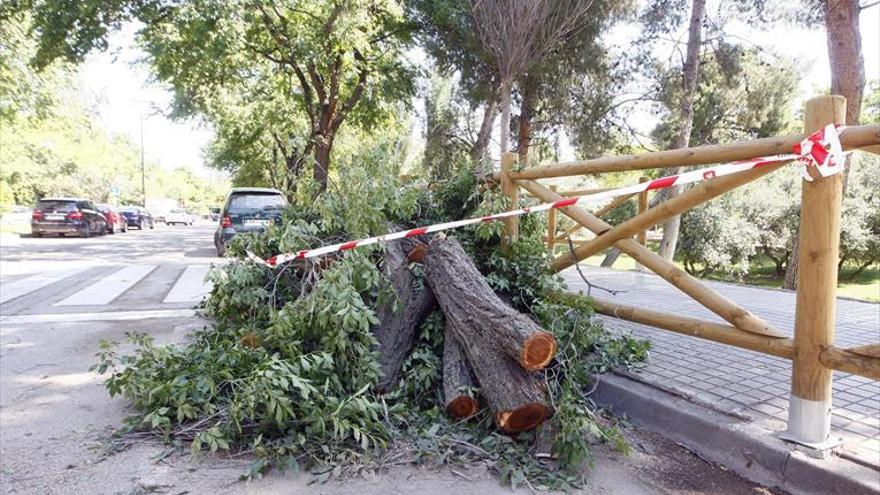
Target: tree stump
x=469, y=302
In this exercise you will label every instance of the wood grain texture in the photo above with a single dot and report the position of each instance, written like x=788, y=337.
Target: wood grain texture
x=817, y=264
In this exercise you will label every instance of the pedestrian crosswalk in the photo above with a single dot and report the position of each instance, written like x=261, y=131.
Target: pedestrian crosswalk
x=105, y=285
x=108, y=288
x=191, y=285
x=18, y=288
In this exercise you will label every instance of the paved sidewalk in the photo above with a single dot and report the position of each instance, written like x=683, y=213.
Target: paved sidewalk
x=747, y=384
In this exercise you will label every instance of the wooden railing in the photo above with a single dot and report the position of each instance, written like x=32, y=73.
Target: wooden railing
x=812, y=348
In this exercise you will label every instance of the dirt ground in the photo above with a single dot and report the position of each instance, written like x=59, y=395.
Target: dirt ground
x=54, y=415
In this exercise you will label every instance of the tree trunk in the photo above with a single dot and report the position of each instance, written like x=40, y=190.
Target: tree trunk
x=479, y=153
x=322, y=161
x=469, y=302
x=396, y=331
x=690, y=77
x=610, y=257
x=458, y=379
x=517, y=398
x=526, y=112
x=791, y=271
x=504, y=132
x=845, y=55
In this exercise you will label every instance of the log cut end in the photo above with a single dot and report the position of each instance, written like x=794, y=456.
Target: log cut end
x=523, y=418
x=417, y=254
x=462, y=407
x=538, y=349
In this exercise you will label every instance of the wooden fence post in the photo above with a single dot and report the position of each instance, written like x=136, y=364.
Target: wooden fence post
x=511, y=190
x=642, y=238
x=809, y=410
x=551, y=227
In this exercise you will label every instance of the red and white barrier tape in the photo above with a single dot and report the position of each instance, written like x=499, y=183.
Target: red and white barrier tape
x=821, y=149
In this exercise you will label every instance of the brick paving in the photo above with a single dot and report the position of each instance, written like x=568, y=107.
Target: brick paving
x=745, y=383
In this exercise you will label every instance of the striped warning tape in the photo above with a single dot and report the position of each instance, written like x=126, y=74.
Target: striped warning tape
x=821, y=150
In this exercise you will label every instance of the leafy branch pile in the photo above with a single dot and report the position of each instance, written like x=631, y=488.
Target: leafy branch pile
x=289, y=369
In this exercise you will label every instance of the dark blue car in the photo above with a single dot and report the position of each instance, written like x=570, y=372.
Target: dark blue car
x=137, y=216
x=247, y=209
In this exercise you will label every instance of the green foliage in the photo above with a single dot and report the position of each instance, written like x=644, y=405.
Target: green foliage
x=288, y=367
x=54, y=144
x=762, y=218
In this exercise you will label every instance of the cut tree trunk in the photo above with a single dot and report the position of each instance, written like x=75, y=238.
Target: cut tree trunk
x=517, y=398
x=396, y=331
x=458, y=379
x=469, y=302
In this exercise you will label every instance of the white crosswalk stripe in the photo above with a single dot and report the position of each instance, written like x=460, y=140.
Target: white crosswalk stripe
x=18, y=288
x=108, y=288
x=191, y=285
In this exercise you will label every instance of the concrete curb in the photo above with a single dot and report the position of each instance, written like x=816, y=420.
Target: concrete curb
x=745, y=448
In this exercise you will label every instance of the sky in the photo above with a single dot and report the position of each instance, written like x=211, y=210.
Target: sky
x=123, y=90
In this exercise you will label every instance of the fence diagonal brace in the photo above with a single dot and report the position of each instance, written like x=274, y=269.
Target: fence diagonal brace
x=692, y=197
x=715, y=302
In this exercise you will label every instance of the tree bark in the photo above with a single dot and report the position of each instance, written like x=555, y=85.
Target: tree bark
x=479, y=152
x=690, y=77
x=469, y=303
x=396, y=331
x=504, y=132
x=458, y=379
x=845, y=55
x=322, y=161
x=610, y=258
x=790, y=280
x=526, y=112
x=516, y=397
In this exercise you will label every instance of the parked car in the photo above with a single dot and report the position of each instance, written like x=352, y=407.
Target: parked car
x=64, y=216
x=137, y=216
x=178, y=215
x=115, y=221
x=247, y=209
x=215, y=214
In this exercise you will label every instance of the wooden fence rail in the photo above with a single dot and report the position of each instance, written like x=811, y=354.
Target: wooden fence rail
x=811, y=349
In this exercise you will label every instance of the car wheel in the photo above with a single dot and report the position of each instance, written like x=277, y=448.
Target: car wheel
x=220, y=251
x=152, y=225
x=36, y=234
x=86, y=231
x=111, y=229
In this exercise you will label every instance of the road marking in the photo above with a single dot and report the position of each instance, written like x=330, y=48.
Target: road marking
x=106, y=316
x=108, y=288
x=30, y=284
x=191, y=285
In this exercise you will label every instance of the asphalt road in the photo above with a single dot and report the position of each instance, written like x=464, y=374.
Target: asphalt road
x=152, y=270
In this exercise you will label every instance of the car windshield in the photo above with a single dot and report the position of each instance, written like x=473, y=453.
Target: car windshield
x=178, y=210
x=129, y=209
x=56, y=205
x=252, y=202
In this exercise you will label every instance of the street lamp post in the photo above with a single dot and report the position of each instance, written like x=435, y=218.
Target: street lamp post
x=143, y=171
